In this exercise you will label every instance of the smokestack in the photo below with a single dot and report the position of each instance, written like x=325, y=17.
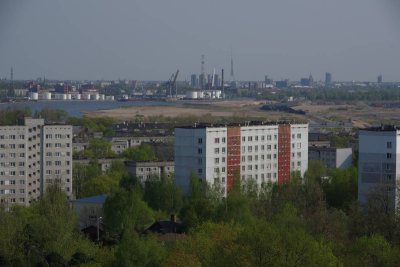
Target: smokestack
x=222, y=80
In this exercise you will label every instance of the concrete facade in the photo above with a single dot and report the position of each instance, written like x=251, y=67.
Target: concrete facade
x=24, y=151
x=332, y=157
x=379, y=165
x=145, y=170
x=264, y=152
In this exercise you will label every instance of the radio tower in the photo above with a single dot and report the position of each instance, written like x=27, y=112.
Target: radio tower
x=12, y=78
x=203, y=73
x=233, y=81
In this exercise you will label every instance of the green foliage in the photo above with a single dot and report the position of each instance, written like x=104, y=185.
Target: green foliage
x=162, y=194
x=126, y=209
x=90, y=181
x=144, y=152
x=97, y=124
x=43, y=234
x=341, y=188
x=52, y=115
x=14, y=117
x=135, y=250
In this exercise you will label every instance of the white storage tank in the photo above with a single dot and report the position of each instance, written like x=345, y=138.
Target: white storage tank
x=78, y=96
x=86, y=96
x=218, y=94
x=33, y=96
x=69, y=96
x=102, y=97
x=200, y=94
x=46, y=96
x=191, y=95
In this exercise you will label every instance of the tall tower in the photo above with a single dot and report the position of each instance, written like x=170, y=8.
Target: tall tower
x=12, y=78
x=232, y=78
x=202, y=78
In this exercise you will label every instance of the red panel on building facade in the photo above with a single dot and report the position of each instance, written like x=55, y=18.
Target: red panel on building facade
x=233, y=159
x=284, y=154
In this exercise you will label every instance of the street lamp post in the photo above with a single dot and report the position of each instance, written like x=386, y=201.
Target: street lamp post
x=98, y=228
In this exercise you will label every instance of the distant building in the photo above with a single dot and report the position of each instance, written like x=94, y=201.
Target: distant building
x=378, y=167
x=193, y=81
x=268, y=80
x=328, y=79
x=282, y=84
x=333, y=158
x=380, y=79
x=305, y=82
x=32, y=157
x=146, y=170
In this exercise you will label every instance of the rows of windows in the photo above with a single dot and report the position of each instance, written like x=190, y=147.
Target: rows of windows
x=57, y=136
x=58, y=145
x=257, y=138
x=57, y=163
x=263, y=176
x=12, y=136
x=11, y=173
x=57, y=172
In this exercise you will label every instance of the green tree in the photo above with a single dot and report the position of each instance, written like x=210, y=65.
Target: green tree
x=126, y=209
x=144, y=152
x=135, y=250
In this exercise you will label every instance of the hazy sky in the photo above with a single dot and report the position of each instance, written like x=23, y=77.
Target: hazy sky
x=150, y=39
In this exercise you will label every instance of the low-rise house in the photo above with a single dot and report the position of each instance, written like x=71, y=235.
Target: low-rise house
x=89, y=210
x=167, y=230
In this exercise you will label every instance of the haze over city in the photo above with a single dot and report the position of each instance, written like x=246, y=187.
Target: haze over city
x=148, y=40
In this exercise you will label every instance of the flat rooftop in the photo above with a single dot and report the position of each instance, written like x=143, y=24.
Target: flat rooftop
x=239, y=124
x=382, y=128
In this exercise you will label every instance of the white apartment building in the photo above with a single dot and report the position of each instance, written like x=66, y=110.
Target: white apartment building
x=379, y=165
x=24, y=152
x=265, y=152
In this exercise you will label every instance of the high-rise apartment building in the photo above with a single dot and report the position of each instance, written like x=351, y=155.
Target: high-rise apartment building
x=328, y=79
x=378, y=168
x=33, y=156
x=265, y=152
x=193, y=81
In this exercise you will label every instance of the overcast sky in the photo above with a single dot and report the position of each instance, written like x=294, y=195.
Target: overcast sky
x=150, y=39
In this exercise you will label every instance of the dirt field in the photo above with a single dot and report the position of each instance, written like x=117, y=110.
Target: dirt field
x=360, y=114
x=250, y=109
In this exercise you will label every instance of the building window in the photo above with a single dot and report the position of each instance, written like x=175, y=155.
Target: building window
x=256, y=138
x=223, y=140
x=243, y=139
x=243, y=159
x=249, y=138
x=200, y=161
x=216, y=150
x=200, y=171
x=200, y=151
x=223, y=150
x=389, y=145
x=216, y=170
x=216, y=160
x=216, y=140
x=298, y=136
x=223, y=170
x=389, y=155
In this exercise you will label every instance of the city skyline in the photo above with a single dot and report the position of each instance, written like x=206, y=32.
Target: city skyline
x=97, y=40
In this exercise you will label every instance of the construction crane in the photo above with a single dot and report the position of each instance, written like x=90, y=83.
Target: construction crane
x=172, y=83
